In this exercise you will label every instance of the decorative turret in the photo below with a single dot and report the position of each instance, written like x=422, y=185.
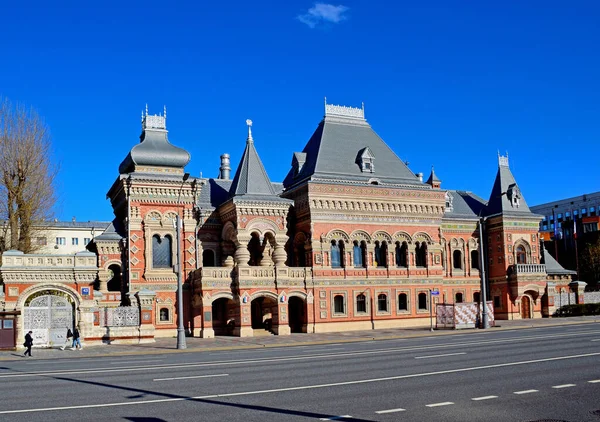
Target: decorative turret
x=433, y=180
x=251, y=177
x=154, y=153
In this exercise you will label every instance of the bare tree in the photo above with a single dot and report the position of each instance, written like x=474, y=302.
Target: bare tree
x=589, y=260
x=27, y=175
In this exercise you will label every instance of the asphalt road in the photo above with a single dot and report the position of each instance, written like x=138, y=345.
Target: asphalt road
x=548, y=373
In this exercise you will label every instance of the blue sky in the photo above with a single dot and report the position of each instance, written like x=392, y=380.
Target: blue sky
x=445, y=83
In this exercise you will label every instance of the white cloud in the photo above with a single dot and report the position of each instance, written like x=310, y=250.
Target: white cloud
x=323, y=13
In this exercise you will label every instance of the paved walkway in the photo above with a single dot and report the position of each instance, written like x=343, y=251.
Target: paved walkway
x=168, y=345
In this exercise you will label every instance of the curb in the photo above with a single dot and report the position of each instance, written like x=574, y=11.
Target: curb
x=142, y=351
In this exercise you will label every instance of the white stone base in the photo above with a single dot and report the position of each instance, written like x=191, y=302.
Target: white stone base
x=207, y=333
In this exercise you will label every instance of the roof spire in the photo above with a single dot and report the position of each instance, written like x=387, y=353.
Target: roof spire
x=249, y=123
x=146, y=109
x=165, y=113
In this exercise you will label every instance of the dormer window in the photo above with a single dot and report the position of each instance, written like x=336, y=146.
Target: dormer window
x=449, y=199
x=366, y=160
x=514, y=195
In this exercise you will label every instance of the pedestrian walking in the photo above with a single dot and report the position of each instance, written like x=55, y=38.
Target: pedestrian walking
x=69, y=339
x=28, y=343
x=76, y=339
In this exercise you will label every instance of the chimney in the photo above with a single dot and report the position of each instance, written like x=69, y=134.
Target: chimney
x=420, y=177
x=73, y=219
x=225, y=169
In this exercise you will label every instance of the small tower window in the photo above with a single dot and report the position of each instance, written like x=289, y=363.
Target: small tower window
x=366, y=160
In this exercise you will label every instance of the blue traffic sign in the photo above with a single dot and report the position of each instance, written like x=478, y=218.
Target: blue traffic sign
x=435, y=293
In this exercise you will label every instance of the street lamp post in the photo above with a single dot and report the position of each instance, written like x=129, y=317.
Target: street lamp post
x=181, y=344
x=484, y=316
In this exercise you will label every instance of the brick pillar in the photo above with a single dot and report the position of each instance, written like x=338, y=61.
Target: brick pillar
x=244, y=329
x=578, y=288
x=207, y=330
x=281, y=327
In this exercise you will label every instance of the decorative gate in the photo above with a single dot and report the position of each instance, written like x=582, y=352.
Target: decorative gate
x=48, y=317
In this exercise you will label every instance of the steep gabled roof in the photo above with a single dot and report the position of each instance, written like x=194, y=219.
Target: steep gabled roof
x=506, y=197
x=433, y=178
x=463, y=205
x=251, y=177
x=332, y=151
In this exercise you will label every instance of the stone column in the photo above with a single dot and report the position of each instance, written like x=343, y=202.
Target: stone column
x=310, y=312
x=279, y=255
x=103, y=277
x=242, y=254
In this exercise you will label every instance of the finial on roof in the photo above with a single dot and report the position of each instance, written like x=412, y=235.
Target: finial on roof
x=146, y=109
x=165, y=112
x=249, y=123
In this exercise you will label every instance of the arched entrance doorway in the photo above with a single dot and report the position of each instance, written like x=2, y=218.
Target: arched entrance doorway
x=264, y=314
x=114, y=284
x=297, y=314
x=48, y=314
x=525, y=307
x=223, y=313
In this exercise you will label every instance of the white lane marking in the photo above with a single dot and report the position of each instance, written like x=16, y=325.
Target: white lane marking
x=525, y=391
x=308, y=387
x=594, y=381
x=444, y=403
x=440, y=356
x=323, y=350
x=278, y=359
x=563, y=386
x=336, y=418
x=381, y=412
x=191, y=377
x=484, y=398
x=596, y=339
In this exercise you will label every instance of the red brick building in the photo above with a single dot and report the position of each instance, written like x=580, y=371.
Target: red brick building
x=352, y=239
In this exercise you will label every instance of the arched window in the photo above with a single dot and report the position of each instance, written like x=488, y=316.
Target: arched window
x=475, y=259
x=256, y=250
x=114, y=284
x=382, y=305
x=381, y=254
x=338, y=304
x=421, y=254
x=337, y=254
x=521, y=255
x=476, y=297
x=403, y=302
x=458, y=298
x=162, y=252
x=457, y=260
x=164, y=315
x=357, y=253
x=361, y=303
x=208, y=258
x=401, y=254
x=422, y=301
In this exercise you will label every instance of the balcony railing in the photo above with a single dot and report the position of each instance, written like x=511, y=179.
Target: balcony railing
x=528, y=269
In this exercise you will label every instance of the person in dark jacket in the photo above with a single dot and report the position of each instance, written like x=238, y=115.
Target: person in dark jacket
x=28, y=343
x=76, y=340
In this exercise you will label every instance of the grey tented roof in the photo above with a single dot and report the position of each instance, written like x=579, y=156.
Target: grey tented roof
x=154, y=150
x=553, y=267
x=250, y=177
x=499, y=202
x=109, y=234
x=465, y=205
x=433, y=178
x=332, y=150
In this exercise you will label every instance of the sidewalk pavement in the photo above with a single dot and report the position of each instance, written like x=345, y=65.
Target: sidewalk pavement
x=168, y=345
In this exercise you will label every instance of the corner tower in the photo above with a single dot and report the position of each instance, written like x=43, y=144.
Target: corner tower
x=517, y=278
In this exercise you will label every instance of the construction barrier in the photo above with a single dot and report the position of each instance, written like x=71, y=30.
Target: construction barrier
x=462, y=315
